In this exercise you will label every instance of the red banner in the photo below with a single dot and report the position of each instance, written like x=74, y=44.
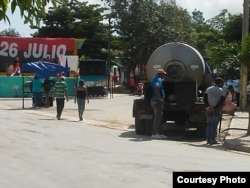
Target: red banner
x=33, y=49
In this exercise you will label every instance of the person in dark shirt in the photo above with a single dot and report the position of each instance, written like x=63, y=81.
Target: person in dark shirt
x=47, y=88
x=81, y=95
x=36, y=92
x=157, y=103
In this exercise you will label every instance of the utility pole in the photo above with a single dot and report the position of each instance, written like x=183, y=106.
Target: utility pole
x=245, y=31
x=243, y=70
x=110, y=81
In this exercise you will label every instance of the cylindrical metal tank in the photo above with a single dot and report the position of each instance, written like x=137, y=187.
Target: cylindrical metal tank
x=182, y=62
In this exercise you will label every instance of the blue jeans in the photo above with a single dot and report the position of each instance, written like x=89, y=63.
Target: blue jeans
x=213, y=120
x=81, y=106
x=158, y=112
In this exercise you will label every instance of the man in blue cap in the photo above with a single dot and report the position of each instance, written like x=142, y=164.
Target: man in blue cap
x=157, y=103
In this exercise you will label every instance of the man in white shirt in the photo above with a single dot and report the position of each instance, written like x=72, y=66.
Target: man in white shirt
x=214, y=99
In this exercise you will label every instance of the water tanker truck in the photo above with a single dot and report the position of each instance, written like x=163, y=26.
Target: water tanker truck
x=187, y=78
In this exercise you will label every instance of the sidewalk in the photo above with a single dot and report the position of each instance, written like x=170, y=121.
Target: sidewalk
x=236, y=138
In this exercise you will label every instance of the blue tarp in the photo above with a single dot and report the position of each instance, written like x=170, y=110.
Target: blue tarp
x=43, y=69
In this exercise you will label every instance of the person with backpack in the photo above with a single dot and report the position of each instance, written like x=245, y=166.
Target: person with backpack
x=81, y=95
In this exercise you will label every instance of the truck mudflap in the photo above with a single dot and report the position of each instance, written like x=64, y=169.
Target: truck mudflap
x=142, y=109
x=143, y=114
x=198, y=114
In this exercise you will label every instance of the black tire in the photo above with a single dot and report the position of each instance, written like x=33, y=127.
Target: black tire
x=148, y=127
x=139, y=126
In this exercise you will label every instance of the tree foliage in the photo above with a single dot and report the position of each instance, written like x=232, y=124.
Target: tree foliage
x=74, y=19
x=232, y=29
x=144, y=25
x=30, y=10
x=10, y=32
x=224, y=51
x=224, y=57
x=203, y=33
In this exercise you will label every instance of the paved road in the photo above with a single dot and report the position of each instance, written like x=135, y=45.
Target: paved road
x=37, y=150
x=115, y=112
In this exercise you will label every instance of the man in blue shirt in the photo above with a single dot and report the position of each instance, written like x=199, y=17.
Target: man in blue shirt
x=157, y=103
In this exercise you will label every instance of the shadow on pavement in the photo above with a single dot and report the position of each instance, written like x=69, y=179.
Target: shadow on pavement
x=134, y=137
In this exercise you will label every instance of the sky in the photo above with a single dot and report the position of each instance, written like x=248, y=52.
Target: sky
x=209, y=8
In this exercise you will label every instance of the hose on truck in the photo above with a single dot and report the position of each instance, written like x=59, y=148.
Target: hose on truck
x=230, y=128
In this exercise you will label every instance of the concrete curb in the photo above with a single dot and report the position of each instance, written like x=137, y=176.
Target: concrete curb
x=237, y=139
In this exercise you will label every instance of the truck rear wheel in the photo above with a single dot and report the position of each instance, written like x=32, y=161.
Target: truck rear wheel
x=139, y=126
x=148, y=127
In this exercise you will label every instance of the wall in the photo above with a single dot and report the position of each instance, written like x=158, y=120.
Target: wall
x=13, y=86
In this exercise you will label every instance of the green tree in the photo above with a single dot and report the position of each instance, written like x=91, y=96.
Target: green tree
x=145, y=25
x=30, y=10
x=203, y=33
x=10, y=32
x=224, y=58
x=74, y=19
x=224, y=50
x=218, y=22
x=232, y=29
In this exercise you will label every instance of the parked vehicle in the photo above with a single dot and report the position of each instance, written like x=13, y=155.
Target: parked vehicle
x=94, y=72
x=188, y=76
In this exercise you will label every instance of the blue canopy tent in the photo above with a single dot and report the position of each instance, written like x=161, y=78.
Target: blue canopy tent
x=42, y=69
